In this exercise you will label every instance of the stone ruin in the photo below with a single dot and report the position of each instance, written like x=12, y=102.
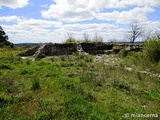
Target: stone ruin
x=56, y=49
x=4, y=39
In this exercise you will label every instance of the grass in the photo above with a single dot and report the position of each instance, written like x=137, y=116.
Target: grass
x=74, y=87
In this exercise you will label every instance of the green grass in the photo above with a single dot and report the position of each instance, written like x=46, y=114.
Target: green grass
x=73, y=87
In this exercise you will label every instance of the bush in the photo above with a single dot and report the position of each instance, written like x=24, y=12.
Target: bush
x=5, y=66
x=35, y=85
x=151, y=50
x=70, y=40
x=123, y=53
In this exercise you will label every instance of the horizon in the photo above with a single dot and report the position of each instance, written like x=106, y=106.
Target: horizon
x=30, y=21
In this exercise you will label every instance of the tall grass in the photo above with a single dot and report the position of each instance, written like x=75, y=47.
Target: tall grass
x=73, y=87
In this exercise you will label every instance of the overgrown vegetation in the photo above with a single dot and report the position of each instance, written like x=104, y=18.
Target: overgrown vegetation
x=148, y=59
x=152, y=49
x=75, y=87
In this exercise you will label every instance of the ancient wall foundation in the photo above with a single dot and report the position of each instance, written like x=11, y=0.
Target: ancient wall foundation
x=50, y=49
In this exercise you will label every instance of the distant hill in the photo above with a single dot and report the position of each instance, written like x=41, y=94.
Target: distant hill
x=25, y=44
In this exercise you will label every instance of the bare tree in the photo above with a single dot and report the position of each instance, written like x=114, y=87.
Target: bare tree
x=157, y=34
x=86, y=37
x=135, y=32
x=97, y=38
x=70, y=38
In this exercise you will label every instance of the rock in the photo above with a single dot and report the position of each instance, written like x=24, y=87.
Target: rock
x=128, y=69
x=116, y=50
x=144, y=72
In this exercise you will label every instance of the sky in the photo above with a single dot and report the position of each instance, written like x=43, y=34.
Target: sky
x=41, y=21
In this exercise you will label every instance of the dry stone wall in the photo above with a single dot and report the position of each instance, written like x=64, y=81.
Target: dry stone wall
x=66, y=49
x=56, y=49
x=50, y=49
x=96, y=48
x=31, y=51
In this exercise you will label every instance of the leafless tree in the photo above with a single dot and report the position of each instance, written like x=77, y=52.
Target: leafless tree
x=70, y=38
x=97, y=38
x=135, y=32
x=157, y=34
x=86, y=37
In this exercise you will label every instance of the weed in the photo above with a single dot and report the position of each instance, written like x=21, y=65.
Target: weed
x=123, y=53
x=35, y=84
x=5, y=66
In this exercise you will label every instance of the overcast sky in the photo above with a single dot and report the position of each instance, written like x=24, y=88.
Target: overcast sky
x=51, y=20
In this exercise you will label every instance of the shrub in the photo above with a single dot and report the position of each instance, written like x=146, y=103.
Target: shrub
x=151, y=49
x=35, y=85
x=123, y=53
x=5, y=66
x=70, y=40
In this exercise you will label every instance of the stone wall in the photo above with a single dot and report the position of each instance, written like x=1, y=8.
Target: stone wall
x=129, y=47
x=31, y=51
x=56, y=50
x=60, y=49
x=50, y=49
x=96, y=48
x=66, y=49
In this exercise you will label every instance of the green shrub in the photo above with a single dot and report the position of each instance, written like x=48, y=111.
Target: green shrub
x=151, y=50
x=70, y=40
x=5, y=66
x=123, y=53
x=35, y=85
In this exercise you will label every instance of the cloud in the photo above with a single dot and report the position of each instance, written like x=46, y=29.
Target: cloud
x=67, y=12
x=30, y=22
x=105, y=17
x=38, y=23
x=14, y=3
x=82, y=10
x=151, y=3
x=10, y=19
x=28, y=31
x=125, y=17
x=35, y=30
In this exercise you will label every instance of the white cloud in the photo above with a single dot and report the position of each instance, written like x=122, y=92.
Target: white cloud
x=11, y=19
x=68, y=17
x=14, y=3
x=152, y=3
x=30, y=30
x=125, y=17
x=82, y=10
x=38, y=23
x=38, y=33
x=126, y=3
x=65, y=11
x=30, y=22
